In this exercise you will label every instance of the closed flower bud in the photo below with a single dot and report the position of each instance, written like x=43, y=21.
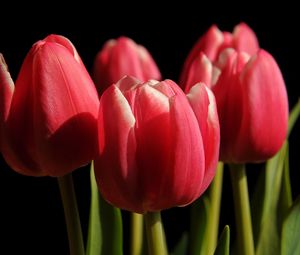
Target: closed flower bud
x=153, y=152
x=122, y=57
x=49, y=120
x=252, y=105
x=249, y=89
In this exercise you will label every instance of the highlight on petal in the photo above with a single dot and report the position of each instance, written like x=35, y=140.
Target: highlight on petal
x=127, y=83
x=7, y=88
x=203, y=104
x=65, y=42
x=201, y=70
x=115, y=169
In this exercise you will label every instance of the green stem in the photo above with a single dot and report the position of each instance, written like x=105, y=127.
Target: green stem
x=71, y=214
x=215, y=192
x=94, y=241
x=136, y=234
x=242, y=209
x=155, y=234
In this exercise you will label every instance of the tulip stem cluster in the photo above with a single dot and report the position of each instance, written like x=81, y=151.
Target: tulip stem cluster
x=155, y=234
x=71, y=214
x=242, y=209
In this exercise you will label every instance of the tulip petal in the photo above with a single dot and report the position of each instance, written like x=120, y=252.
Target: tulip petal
x=208, y=44
x=188, y=159
x=127, y=83
x=172, y=156
x=228, y=92
x=115, y=169
x=20, y=149
x=203, y=103
x=200, y=71
x=244, y=39
x=61, y=40
x=153, y=143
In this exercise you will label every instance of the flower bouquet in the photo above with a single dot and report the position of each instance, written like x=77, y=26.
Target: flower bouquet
x=155, y=144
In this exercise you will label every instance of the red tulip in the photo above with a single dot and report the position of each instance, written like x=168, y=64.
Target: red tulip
x=49, y=121
x=152, y=153
x=215, y=41
x=253, y=106
x=123, y=57
x=250, y=92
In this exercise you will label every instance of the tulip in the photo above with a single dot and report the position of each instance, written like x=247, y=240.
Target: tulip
x=249, y=89
x=215, y=41
x=122, y=57
x=49, y=120
x=253, y=106
x=252, y=103
x=160, y=149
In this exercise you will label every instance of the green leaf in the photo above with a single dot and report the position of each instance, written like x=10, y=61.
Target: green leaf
x=94, y=242
x=290, y=244
x=285, y=199
x=112, y=229
x=294, y=115
x=265, y=205
x=224, y=242
x=182, y=245
x=198, y=227
x=105, y=234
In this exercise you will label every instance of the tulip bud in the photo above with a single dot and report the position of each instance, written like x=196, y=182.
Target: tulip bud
x=253, y=107
x=152, y=153
x=249, y=89
x=51, y=123
x=122, y=57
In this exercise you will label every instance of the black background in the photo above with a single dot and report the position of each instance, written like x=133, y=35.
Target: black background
x=31, y=215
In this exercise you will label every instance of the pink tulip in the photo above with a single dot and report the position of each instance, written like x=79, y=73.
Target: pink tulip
x=160, y=149
x=215, y=41
x=122, y=57
x=249, y=89
x=253, y=106
x=49, y=120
